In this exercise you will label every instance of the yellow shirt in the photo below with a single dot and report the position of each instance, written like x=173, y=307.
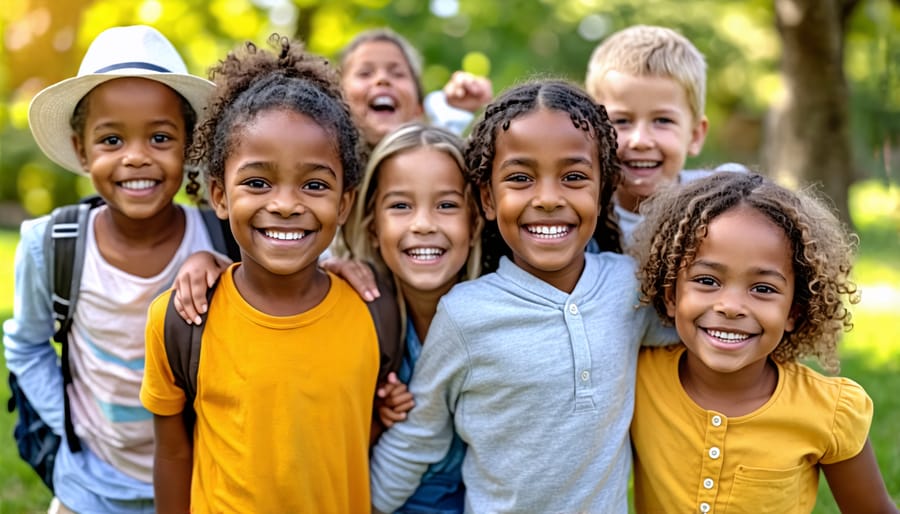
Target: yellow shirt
x=688, y=459
x=284, y=404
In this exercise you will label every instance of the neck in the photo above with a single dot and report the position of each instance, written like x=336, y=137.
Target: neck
x=147, y=232
x=281, y=295
x=733, y=394
x=628, y=201
x=421, y=306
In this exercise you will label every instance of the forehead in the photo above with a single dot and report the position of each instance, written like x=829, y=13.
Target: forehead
x=545, y=132
x=130, y=89
x=426, y=167
x=376, y=51
x=620, y=90
x=287, y=136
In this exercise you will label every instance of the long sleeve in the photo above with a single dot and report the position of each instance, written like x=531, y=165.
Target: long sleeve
x=404, y=452
x=26, y=340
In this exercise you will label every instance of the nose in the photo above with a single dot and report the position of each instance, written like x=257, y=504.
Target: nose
x=639, y=136
x=730, y=302
x=286, y=202
x=136, y=155
x=423, y=222
x=548, y=195
x=382, y=77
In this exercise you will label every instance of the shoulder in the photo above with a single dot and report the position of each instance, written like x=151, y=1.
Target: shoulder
x=837, y=395
x=615, y=268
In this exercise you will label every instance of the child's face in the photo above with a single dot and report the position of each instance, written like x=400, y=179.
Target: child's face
x=283, y=192
x=544, y=193
x=423, y=223
x=655, y=128
x=732, y=305
x=380, y=88
x=133, y=145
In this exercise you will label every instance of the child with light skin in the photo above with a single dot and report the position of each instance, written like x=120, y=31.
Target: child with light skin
x=416, y=219
x=125, y=121
x=290, y=354
x=754, y=278
x=381, y=76
x=532, y=366
x=652, y=82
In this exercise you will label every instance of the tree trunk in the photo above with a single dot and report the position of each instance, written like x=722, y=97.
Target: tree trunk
x=808, y=140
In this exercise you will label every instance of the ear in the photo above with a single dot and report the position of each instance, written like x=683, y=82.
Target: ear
x=79, y=150
x=669, y=298
x=793, y=315
x=487, y=202
x=346, y=202
x=698, y=136
x=218, y=199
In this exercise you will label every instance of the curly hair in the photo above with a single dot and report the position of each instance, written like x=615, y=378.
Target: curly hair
x=250, y=80
x=677, y=220
x=586, y=115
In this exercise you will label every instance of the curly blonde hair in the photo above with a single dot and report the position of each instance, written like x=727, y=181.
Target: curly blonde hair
x=677, y=220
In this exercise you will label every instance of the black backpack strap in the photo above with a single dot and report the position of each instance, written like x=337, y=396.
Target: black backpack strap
x=386, y=316
x=182, y=342
x=220, y=234
x=64, y=245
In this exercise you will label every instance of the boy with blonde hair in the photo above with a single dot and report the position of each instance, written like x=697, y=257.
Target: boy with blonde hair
x=652, y=82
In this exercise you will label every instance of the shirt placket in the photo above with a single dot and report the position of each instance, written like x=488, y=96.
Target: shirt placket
x=581, y=352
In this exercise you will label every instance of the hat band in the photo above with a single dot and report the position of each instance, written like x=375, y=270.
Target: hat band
x=139, y=65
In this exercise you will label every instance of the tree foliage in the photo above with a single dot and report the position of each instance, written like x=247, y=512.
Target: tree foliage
x=508, y=41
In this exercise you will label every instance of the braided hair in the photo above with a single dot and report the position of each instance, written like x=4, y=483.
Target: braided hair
x=586, y=115
x=250, y=80
x=676, y=223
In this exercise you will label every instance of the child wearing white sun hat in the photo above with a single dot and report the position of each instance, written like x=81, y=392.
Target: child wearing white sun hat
x=125, y=121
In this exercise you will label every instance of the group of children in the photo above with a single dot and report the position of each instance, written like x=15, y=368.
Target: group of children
x=522, y=362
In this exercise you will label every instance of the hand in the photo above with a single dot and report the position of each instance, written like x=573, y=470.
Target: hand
x=198, y=273
x=357, y=273
x=395, y=401
x=468, y=92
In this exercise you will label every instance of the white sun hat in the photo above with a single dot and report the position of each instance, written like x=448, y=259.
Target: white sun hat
x=133, y=51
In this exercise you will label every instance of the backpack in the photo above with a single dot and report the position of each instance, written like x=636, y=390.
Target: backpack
x=63, y=249
x=182, y=343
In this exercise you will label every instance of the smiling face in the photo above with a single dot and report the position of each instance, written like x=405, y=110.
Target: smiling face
x=732, y=304
x=282, y=192
x=423, y=221
x=133, y=145
x=655, y=128
x=380, y=88
x=544, y=192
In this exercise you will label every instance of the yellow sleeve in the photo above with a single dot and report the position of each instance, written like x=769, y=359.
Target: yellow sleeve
x=852, y=419
x=159, y=394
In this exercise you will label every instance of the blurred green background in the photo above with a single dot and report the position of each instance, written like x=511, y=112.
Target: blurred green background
x=805, y=90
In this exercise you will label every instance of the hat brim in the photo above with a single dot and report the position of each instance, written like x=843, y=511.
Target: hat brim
x=51, y=109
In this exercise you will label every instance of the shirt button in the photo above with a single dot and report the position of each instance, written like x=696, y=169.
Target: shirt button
x=573, y=309
x=585, y=375
x=714, y=452
x=717, y=420
x=704, y=507
x=708, y=483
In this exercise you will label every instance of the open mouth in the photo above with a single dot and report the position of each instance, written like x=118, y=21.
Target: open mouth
x=383, y=103
x=284, y=235
x=548, y=231
x=138, y=185
x=728, y=337
x=425, y=254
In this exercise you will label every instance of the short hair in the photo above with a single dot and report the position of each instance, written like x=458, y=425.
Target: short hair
x=412, y=56
x=676, y=223
x=646, y=50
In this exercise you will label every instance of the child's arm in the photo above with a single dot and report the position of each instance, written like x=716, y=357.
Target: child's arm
x=172, y=465
x=357, y=273
x=857, y=485
x=198, y=273
x=26, y=336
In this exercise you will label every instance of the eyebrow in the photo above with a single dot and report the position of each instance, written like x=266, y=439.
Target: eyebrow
x=405, y=193
x=111, y=125
x=756, y=271
x=532, y=163
x=269, y=167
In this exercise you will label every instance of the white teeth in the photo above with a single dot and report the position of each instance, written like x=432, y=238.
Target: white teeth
x=426, y=254
x=643, y=164
x=728, y=336
x=285, y=236
x=547, y=231
x=383, y=101
x=138, y=184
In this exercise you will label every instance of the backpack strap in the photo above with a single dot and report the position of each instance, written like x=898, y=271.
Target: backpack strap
x=220, y=234
x=386, y=316
x=64, y=244
x=182, y=342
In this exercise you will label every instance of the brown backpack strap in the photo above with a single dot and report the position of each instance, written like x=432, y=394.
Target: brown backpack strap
x=386, y=316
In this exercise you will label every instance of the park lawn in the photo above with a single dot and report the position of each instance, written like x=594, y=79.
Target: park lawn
x=870, y=353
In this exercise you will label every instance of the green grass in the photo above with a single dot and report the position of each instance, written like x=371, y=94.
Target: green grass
x=870, y=354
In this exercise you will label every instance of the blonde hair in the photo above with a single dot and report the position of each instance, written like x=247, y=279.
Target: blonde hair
x=676, y=223
x=645, y=50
